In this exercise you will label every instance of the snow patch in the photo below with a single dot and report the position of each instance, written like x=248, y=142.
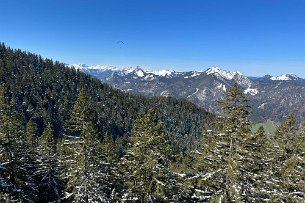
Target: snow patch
x=196, y=73
x=222, y=87
x=181, y=174
x=262, y=106
x=149, y=77
x=193, y=93
x=139, y=73
x=251, y=91
x=164, y=93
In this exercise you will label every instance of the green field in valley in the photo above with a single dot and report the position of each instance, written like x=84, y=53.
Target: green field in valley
x=269, y=127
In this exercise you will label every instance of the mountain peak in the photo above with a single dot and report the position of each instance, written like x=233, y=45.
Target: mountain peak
x=223, y=73
x=138, y=72
x=85, y=67
x=162, y=72
x=285, y=77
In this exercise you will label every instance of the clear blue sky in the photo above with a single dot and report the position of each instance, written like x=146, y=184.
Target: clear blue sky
x=256, y=37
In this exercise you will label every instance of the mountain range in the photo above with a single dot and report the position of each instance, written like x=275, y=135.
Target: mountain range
x=272, y=97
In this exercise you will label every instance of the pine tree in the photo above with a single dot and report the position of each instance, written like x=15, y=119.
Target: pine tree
x=31, y=135
x=145, y=165
x=16, y=168
x=80, y=154
x=48, y=141
x=108, y=158
x=182, y=165
x=47, y=173
x=81, y=114
x=289, y=165
x=285, y=133
x=257, y=166
x=223, y=150
x=210, y=167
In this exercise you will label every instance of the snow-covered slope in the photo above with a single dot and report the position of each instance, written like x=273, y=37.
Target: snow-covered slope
x=285, y=77
x=238, y=77
x=163, y=72
x=84, y=67
x=229, y=75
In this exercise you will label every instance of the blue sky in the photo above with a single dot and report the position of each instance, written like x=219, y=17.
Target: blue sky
x=256, y=37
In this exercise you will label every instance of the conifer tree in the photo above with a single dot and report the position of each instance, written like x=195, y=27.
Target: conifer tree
x=289, y=165
x=48, y=142
x=182, y=167
x=257, y=166
x=210, y=167
x=223, y=150
x=285, y=133
x=47, y=174
x=108, y=159
x=80, y=154
x=31, y=135
x=145, y=164
x=236, y=129
x=16, y=169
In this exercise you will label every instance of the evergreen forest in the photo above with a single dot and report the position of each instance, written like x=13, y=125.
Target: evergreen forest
x=67, y=137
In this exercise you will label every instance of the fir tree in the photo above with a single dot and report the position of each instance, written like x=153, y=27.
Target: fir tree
x=31, y=135
x=47, y=174
x=289, y=165
x=145, y=164
x=257, y=164
x=223, y=150
x=110, y=184
x=16, y=166
x=80, y=155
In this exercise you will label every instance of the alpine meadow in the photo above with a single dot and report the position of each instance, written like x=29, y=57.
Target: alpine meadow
x=87, y=115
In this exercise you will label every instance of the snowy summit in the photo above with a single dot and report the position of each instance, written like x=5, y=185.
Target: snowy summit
x=229, y=75
x=162, y=72
x=285, y=77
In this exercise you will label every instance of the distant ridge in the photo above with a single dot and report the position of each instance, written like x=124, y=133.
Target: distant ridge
x=272, y=97
x=167, y=73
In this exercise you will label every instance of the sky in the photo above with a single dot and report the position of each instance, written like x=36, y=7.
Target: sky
x=255, y=37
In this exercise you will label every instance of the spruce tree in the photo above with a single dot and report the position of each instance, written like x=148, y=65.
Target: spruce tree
x=108, y=158
x=223, y=150
x=16, y=165
x=50, y=185
x=31, y=135
x=289, y=165
x=257, y=166
x=80, y=154
x=145, y=165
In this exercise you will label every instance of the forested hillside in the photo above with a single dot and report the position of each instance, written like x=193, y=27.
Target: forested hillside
x=43, y=91
x=66, y=137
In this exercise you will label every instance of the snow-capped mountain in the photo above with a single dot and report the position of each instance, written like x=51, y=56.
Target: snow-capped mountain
x=279, y=95
x=285, y=77
x=229, y=75
x=121, y=70
x=101, y=71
